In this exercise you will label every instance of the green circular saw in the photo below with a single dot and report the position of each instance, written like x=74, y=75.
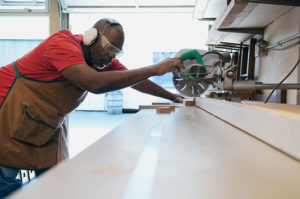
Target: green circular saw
x=202, y=68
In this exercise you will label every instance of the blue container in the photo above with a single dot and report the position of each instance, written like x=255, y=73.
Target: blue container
x=114, y=102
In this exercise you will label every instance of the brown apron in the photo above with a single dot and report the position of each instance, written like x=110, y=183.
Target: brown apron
x=33, y=134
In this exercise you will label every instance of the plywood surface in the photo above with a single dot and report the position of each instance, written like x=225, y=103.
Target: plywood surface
x=186, y=154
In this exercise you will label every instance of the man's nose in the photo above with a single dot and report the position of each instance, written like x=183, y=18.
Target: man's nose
x=112, y=55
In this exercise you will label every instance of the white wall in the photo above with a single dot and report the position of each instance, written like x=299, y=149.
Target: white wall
x=145, y=34
x=24, y=27
x=273, y=67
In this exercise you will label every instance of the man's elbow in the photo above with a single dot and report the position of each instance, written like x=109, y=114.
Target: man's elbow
x=95, y=88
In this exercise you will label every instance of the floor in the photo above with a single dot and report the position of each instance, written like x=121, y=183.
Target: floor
x=85, y=127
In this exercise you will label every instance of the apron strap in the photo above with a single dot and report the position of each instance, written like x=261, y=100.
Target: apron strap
x=16, y=70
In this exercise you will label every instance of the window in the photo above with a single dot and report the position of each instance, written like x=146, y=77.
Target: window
x=165, y=80
x=24, y=6
x=12, y=49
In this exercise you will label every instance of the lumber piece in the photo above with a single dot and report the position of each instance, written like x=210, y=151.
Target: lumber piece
x=160, y=103
x=160, y=110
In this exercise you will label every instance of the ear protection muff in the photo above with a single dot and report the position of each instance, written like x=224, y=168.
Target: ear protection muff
x=90, y=36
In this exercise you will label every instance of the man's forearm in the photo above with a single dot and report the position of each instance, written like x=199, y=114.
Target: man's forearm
x=88, y=79
x=151, y=88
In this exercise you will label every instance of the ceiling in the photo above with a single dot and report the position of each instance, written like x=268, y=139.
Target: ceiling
x=127, y=5
x=201, y=9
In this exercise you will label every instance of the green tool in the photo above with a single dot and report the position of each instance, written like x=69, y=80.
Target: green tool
x=194, y=71
x=191, y=54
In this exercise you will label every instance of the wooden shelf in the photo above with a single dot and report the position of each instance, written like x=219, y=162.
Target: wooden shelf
x=239, y=20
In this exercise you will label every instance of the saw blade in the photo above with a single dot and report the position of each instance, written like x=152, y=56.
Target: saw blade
x=186, y=87
x=189, y=88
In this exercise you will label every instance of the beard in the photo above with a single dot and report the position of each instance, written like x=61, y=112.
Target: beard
x=101, y=63
x=100, y=67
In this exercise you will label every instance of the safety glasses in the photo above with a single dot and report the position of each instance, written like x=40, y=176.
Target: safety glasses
x=109, y=47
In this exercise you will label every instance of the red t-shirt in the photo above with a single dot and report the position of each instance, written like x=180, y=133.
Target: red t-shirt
x=48, y=59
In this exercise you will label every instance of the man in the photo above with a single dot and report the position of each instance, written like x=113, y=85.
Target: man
x=39, y=89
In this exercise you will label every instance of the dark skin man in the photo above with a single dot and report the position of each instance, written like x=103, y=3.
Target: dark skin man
x=87, y=78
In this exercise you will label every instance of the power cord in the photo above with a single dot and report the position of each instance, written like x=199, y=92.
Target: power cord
x=282, y=81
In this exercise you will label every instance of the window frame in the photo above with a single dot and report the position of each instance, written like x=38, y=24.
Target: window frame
x=25, y=9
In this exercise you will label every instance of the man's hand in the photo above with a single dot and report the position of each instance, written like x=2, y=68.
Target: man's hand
x=178, y=99
x=167, y=65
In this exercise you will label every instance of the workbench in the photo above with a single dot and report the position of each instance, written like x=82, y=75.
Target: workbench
x=188, y=153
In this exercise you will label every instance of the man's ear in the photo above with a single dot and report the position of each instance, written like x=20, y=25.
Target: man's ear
x=90, y=36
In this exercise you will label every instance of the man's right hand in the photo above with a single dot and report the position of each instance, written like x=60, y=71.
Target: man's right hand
x=167, y=65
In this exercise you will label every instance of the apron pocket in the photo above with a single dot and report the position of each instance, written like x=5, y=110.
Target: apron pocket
x=36, y=126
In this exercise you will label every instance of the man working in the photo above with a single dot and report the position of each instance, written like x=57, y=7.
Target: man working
x=39, y=89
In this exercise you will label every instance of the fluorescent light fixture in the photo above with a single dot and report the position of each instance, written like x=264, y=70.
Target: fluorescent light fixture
x=140, y=9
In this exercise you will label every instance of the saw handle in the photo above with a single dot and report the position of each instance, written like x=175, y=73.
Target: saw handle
x=191, y=54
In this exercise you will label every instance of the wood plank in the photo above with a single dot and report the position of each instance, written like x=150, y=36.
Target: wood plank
x=188, y=154
x=278, y=127
x=173, y=106
x=188, y=102
x=161, y=110
x=160, y=103
x=231, y=14
x=262, y=15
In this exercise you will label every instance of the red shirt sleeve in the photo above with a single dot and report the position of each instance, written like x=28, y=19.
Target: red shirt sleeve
x=63, y=51
x=114, y=65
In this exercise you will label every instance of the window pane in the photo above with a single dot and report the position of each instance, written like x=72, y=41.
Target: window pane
x=165, y=80
x=12, y=49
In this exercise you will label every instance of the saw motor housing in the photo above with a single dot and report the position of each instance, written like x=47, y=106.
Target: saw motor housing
x=197, y=77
